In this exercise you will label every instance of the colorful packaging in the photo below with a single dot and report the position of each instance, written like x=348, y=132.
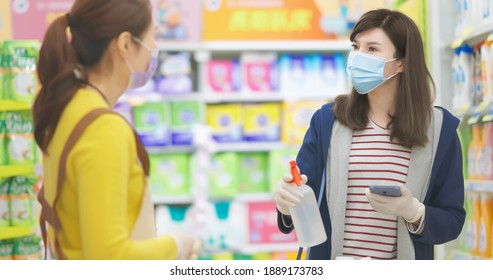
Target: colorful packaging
x=333, y=75
x=223, y=75
x=6, y=250
x=174, y=73
x=277, y=165
x=171, y=217
x=170, y=174
x=184, y=115
x=224, y=177
x=21, y=81
x=3, y=144
x=476, y=224
x=153, y=123
x=20, y=144
x=294, y=74
x=262, y=122
x=21, y=196
x=260, y=73
x=226, y=122
x=27, y=248
x=4, y=203
x=2, y=73
x=253, y=172
x=485, y=236
x=465, y=136
x=297, y=119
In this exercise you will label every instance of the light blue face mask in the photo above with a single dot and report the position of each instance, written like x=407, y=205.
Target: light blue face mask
x=365, y=72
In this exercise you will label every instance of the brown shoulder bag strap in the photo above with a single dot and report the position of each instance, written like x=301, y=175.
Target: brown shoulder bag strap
x=48, y=213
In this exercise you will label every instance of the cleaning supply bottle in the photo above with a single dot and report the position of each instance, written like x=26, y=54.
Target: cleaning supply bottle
x=305, y=215
x=477, y=78
x=476, y=222
x=473, y=149
x=488, y=151
x=481, y=155
x=466, y=241
x=485, y=227
x=486, y=71
x=456, y=90
x=466, y=65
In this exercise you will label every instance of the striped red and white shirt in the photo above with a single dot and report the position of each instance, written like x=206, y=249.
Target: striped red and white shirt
x=374, y=160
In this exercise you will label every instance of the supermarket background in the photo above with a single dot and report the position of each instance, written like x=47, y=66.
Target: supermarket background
x=237, y=84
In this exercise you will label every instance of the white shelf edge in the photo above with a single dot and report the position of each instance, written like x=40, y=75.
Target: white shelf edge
x=254, y=197
x=250, y=249
x=170, y=149
x=478, y=31
x=250, y=146
x=278, y=45
x=479, y=186
x=171, y=199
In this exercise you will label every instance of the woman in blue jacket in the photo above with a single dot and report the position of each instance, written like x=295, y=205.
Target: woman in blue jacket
x=385, y=133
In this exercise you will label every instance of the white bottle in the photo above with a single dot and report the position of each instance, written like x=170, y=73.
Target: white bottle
x=306, y=216
x=466, y=63
x=486, y=71
x=456, y=80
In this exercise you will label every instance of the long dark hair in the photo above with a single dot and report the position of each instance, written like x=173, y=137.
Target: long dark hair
x=414, y=100
x=93, y=25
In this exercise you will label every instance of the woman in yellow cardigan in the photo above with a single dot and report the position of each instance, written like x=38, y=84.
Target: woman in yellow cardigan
x=110, y=50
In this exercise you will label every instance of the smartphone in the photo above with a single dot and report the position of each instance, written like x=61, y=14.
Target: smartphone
x=386, y=190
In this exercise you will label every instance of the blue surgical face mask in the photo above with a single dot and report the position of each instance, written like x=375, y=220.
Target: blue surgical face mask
x=366, y=72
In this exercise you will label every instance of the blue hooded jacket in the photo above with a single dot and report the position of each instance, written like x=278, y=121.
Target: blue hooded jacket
x=444, y=200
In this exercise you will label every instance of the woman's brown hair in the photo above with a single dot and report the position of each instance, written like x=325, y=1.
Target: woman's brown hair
x=93, y=25
x=413, y=107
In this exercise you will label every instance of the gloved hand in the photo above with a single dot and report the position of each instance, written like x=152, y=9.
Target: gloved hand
x=405, y=206
x=187, y=247
x=286, y=194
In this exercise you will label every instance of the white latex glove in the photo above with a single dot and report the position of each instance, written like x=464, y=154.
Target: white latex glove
x=187, y=247
x=405, y=206
x=286, y=194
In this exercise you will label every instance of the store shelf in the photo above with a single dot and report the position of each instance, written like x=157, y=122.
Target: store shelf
x=254, y=197
x=261, y=248
x=14, y=232
x=170, y=149
x=15, y=170
x=239, y=46
x=479, y=186
x=250, y=146
x=244, y=97
x=473, y=35
x=172, y=199
x=140, y=98
x=9, y=105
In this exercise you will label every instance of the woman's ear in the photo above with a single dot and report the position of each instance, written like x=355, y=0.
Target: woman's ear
x=400, y=65
x=123, y=43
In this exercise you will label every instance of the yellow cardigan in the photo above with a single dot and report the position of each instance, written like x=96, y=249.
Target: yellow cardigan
x=102, y=193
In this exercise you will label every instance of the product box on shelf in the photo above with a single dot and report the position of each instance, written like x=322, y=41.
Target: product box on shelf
x=173, y=75
x=296, y=120
x=5, y=220
x=294, y=73
x=224, y=177
x=223, y=76
x=226, y=122
x=153, y=123
x=262, y=122
x=260, y=73
x=253, y=172
x=172, y=217
x=170, y=174
x=184, y=115
x=2, y=73
x=21, y=81
x=20, y=147
x=21, y=192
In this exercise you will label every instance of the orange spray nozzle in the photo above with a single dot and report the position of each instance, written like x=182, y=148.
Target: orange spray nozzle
x=295, y=173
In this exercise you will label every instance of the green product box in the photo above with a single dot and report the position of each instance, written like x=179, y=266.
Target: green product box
x=2, y=73
x=4, y=203
x=20, y=59
x=153, y=123
x=254, y=172
x=21, y=196
x=279, y=165
x=170, y=174
x=185, y=114
x=223, y=177
x=20, y=147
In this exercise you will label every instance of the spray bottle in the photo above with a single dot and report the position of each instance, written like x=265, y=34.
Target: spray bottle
x=305, y=215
